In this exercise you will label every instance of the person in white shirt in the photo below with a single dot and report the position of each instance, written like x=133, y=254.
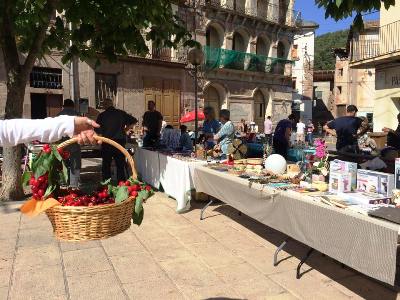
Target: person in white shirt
x=300, y=131
x=268, y=130
x=18, y=131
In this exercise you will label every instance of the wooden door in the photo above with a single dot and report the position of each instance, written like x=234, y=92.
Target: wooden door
x=171, y=107
x=54, y=105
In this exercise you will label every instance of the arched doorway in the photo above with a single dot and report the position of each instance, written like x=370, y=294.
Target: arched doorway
x=281, y=53
x=259, y=110
x=237, y=57
x=281, y=50
x=212, y=99
x=259, y=62
x=214, y=37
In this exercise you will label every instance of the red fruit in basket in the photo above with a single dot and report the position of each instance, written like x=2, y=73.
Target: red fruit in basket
x=60, y=151
x=35, y=196
x=34, y=189
x=133, y=194
x=136, y=187
x=121, y=183
x=148, y=188
x=47, y=150
x=40, y=193
x=127, y=183
x=91, y=204
x=66, y=155
x=32, y=181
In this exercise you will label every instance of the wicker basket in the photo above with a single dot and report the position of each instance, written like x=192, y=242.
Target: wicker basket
x=79, y=223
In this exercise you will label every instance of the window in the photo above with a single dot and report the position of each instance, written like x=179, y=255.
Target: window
x=105, y=87
x=261, y=110
x=46, y=78
x=339, y=88
x=295, y=54
x=370, y=117
x=341, y=72
x=318, y=95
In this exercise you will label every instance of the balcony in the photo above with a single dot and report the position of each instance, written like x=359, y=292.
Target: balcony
x=384, y=48
x=265, y=11
x=217, y=58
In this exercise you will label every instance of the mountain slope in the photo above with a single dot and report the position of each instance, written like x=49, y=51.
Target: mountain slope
x=324, y=58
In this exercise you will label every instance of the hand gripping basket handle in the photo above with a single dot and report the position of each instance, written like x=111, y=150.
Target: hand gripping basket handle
x=110, y=142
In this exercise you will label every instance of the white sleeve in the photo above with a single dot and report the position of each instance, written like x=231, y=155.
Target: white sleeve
x=17, y=131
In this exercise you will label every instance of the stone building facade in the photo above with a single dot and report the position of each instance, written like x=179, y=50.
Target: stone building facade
x=248, y=66
x=249, y=73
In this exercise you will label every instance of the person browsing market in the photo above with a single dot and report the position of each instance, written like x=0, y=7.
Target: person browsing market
x=226, y=134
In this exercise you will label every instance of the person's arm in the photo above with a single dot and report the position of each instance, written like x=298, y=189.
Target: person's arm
x=288, y=133
x=160, y=119
x=17, y=131
x=330, y=128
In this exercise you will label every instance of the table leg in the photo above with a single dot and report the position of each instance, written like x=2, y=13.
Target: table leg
x=204, y=208
x=303, y=260
x=278, y=250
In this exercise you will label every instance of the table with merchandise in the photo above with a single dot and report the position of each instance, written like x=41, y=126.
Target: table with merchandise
x=171, y=172
x=336, y=223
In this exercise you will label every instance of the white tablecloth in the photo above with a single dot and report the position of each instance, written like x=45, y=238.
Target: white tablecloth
x=175, y=176
x=364, y=243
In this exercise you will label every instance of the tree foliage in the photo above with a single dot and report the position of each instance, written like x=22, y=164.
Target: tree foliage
x=341, y=9
x=324, y=58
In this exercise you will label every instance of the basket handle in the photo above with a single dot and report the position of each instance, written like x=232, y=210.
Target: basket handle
x=110, y=142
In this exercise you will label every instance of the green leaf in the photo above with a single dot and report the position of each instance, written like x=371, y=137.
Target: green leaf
x=56, y=154
x=106, y=182
x=138, y=212
x=65, y=172
x=339, y=2
x=122, y=194
x=26, y=177
x=49, y=190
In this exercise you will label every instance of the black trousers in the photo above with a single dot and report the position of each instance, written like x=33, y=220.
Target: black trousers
x=108, y=153
x=281, y=147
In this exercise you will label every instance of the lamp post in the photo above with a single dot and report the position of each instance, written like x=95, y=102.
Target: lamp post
x=195, y=57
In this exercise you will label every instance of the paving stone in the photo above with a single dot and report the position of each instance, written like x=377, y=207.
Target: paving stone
x=5, y=271
x=238, y=272
x=7, y=248
x=34, y=222
x=36, y=237
x=85, y=261
x=135, y=267
x=4, y=292
x=72, y=246
x=32, y=258
x=258, y=289
x=215, y=254
x=192, y=235
x=307, y=287
x=190, y=272
x=262, y=259
x=123, y=243
x=150, y=288
x=100, y=285
x=221, y=291
x=42, y=283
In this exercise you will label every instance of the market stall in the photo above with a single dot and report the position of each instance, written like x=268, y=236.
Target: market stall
x=172, y=173
x=364, y=243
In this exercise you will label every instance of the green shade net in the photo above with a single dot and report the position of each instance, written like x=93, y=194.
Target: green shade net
x=236, y=60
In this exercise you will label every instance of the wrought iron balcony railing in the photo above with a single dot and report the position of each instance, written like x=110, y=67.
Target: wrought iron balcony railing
x=235, y=60
x=387, y=42
x=265, y=10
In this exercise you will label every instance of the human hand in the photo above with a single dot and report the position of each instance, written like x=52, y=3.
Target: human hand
x=84, y=130
x=386, y=129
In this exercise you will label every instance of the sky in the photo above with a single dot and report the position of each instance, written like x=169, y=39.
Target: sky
x=311, y=12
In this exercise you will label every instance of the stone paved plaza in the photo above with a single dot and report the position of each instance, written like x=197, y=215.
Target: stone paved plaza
x=171, y=256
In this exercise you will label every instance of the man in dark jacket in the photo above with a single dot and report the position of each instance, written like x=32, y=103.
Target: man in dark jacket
x=74, y=162
x=113, y=123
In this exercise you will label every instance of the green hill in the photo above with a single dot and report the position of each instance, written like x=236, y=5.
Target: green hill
x=324, y=58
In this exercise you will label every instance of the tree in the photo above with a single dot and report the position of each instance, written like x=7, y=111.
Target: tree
x=341, y=9
x=30, y=29
x=324, y=59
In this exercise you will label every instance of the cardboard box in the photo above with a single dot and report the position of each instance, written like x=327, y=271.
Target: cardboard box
x=359, y=198
x=375, y=182
x=397, y=173
x=339, y=182
x=340, y=166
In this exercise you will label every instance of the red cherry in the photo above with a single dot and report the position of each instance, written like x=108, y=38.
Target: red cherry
x=148, y=188
x=91, y=204
x=40, y=179
x=134, y=194
x=46, y=146
x=40, y=193
x=127, y=183
x=136, y=187
x=121, y=183
x=34, y=188
x=60, y=151
x=32, y=181
x=35, y=196
x=66, y=155
x=47, y=150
